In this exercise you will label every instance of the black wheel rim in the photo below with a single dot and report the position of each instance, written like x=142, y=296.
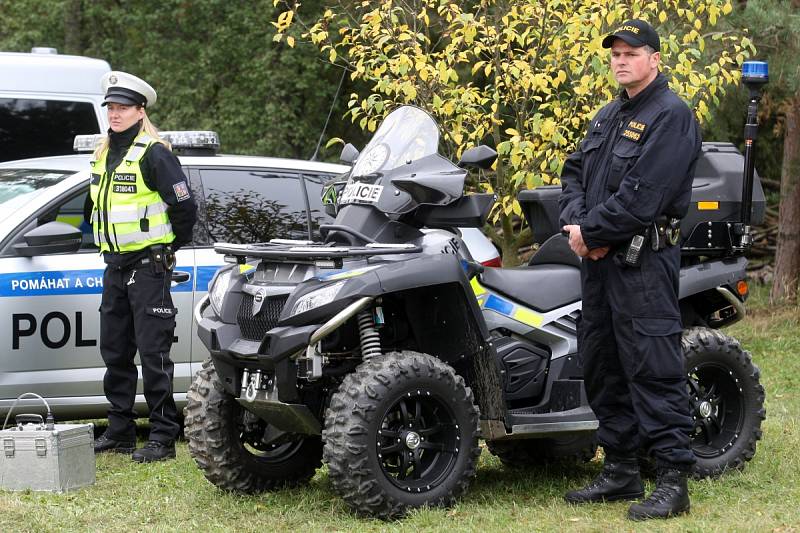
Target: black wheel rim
x=717, y=406
x=418, y=441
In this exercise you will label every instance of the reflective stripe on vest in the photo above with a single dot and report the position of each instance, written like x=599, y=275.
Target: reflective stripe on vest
x=127, y=215
x=132, y=215
x=128, y=238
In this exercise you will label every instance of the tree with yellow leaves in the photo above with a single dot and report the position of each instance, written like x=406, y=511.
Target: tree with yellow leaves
x=521, y=75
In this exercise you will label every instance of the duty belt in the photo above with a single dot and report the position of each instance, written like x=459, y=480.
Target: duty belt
x=665, y=231
x=161, y=256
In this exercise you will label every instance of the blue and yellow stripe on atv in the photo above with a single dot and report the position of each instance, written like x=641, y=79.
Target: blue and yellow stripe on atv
x=500, y=305
x=478, y=289
x=346, y=274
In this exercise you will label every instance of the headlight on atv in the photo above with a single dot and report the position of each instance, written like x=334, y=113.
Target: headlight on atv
x=218, y=289
x=317, y=298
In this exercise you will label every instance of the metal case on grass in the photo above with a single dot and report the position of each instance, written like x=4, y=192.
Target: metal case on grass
x=57, y=460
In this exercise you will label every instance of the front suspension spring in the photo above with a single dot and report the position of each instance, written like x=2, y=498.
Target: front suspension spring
x=370, y=338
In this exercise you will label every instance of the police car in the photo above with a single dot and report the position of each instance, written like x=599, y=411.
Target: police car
x=51, y=273
x=47, y=98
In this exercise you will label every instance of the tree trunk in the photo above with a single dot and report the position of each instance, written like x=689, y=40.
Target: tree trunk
x=72, y=27
x=787, y=257
x=508, y=246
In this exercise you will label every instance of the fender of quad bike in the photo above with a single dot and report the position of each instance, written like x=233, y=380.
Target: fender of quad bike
x=709, y=275
x=444, y=319
x=710, y=287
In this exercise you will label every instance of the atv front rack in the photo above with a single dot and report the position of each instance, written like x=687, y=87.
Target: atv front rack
x=288, y=250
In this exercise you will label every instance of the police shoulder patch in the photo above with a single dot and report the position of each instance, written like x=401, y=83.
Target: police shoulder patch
x=181, y=191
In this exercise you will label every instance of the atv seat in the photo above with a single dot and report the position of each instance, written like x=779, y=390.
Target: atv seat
x=540, y=287
x=555, y=251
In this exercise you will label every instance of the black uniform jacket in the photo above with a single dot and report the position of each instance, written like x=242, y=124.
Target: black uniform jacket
x=635, y=163
x=161, y=171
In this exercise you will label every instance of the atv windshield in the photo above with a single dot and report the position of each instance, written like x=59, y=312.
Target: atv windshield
x=401, y=168
x=407, y=134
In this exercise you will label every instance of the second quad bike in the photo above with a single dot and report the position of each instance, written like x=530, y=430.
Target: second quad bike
x=386, y=352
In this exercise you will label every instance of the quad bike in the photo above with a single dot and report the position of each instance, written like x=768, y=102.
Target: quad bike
x=386, y=352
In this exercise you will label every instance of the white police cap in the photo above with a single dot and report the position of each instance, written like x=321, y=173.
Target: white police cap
x=127, y=89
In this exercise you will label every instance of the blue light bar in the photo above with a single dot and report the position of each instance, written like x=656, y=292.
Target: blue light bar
x=755, y=71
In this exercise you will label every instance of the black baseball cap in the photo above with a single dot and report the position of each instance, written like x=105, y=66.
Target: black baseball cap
x=636, y=33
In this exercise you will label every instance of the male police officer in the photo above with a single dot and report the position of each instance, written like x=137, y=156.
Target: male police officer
x=142, y=211
x=623, y=192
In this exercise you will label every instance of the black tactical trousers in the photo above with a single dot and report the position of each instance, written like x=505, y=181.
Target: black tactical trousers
x=629, y=338
x=137, y=312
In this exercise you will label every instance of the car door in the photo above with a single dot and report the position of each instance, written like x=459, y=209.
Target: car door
x=50, y=327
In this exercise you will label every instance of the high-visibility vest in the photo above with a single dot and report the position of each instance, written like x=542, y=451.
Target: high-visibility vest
x=127, y=215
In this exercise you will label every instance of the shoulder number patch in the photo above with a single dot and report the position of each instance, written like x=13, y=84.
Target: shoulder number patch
x=181, y=191
x=124, y=189
x=632, y=135
x=634, y=130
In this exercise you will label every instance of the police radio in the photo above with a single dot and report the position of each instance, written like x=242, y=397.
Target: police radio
x=633, y=253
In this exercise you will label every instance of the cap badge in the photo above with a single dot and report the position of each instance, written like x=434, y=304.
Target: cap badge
x=632, y=29
x=112, y=80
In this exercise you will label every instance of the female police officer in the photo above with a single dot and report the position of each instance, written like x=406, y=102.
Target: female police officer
x=142, y=211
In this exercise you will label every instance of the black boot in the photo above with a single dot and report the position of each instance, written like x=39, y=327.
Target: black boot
x=617, y=481
x=670, y=498
x=104, y=443
x=154, y=451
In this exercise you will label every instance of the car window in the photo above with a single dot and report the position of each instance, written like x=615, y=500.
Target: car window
x=200, y=235
x=35, y=128
x=250, y=205
x=68, y=209
x=71, y=212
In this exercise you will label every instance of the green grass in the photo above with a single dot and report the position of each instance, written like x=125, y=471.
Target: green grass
x=174, y=496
